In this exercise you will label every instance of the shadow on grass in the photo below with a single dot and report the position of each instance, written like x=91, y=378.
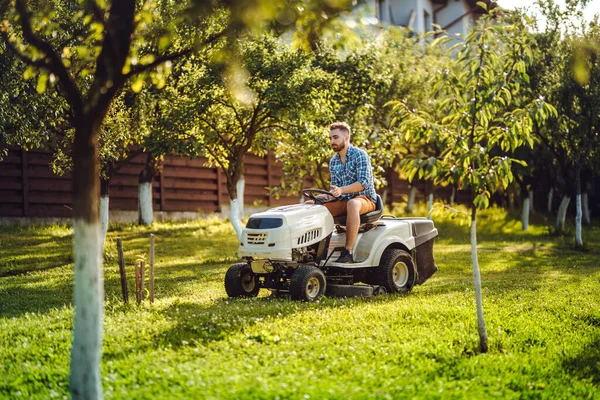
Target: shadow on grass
x=586, y=364
x=200, y=324
x=37, y=296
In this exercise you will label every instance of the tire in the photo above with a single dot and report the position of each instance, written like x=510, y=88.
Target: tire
x=307, y=284
x=396, y=271
x=240, y=281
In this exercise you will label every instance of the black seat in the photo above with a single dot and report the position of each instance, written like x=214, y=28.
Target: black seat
x=365, y=218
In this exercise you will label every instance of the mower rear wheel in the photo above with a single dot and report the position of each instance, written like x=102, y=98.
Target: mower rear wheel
x=396, y=271
x=240, y=281
x=307, y=283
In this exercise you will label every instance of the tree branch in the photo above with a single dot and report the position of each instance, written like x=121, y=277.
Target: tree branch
x=164, y=58
x=53, y=63
x=97, y=12
x=27, y=60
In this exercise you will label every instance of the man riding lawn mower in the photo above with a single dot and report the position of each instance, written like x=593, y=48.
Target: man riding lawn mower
x=288, y=249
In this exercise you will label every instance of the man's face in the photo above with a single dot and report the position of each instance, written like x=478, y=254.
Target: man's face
x=337, y=140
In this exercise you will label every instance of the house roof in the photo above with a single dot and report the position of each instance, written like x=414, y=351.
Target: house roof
x=472, y=4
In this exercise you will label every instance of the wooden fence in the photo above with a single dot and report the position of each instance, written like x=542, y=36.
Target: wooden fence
x=29, y=188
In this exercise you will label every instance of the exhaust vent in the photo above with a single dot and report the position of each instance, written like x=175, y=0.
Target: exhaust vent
x=256, y=238
x=309, y=236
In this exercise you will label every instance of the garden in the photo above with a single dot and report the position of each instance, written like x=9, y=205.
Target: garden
x=540, y=296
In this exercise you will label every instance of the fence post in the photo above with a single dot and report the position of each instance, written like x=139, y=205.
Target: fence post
x=151, y=285
x=142, y=279
x=138, y=282
x=122, y=271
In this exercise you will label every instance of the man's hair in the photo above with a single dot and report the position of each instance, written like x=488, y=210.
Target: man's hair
x=341, y=126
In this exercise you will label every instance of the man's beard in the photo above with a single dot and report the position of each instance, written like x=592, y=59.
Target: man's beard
x=338, y=148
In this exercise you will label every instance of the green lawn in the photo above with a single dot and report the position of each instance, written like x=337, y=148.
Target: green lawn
x=541, y=303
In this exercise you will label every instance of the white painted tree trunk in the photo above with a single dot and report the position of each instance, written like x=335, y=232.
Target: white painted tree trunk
x=550, y=196
x=234, y=216
x=430, y=205
x=483, y=340
x=525, y=214
x=412, y=193
x=578, y=217
x=587, y=218
x=145, y=203
x=562, y=213
x=104, y=203
x=240, y=186
x=531, y=207
x=89, y=312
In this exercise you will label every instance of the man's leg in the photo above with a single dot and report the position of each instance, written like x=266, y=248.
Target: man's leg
x=352, y=222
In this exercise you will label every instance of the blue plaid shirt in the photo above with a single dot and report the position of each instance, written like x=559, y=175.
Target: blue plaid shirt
x=356, y=169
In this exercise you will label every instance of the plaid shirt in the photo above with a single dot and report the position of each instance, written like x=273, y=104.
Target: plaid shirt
x=356, y=169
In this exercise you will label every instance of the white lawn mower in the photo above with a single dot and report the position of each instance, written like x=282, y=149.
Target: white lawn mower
x=288, y=249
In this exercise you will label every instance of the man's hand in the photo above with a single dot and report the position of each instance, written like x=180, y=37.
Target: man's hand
x=336, y=191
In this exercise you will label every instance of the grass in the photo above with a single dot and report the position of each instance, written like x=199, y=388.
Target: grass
x=541, y=303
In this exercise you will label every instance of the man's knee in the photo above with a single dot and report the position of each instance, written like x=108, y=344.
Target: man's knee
x=354, y=206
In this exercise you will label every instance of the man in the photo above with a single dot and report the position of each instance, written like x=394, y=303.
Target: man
x=351, y=181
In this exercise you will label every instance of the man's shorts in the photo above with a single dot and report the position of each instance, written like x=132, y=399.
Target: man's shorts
x=337, y=208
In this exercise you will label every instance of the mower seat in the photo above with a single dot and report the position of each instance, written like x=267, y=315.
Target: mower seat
x=364, y=218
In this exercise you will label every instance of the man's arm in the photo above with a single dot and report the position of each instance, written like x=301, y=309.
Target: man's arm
x=353, y=188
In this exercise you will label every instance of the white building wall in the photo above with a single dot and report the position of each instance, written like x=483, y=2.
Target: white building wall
x=454, y=10
x=400, y=11
x=424, y=11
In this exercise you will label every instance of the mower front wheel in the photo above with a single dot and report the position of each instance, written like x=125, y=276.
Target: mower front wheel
x=240, y=281
x=307, y=283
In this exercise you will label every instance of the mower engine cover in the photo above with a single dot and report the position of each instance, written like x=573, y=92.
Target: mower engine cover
x=274, y=233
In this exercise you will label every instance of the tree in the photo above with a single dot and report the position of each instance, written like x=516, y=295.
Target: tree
x=280, y=87
x=365, y=78
x=477, y=92
x=567, y=76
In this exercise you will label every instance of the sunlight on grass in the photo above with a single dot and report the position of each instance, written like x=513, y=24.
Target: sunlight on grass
x=540, y=303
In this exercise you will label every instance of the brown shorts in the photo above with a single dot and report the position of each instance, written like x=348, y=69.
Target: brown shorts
x=337, y=208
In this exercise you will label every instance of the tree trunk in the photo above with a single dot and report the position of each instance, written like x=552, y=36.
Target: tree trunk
x=483, y=340
x=531, y=206
x=234, y=216
x=412, y=192
x=587, y=219
x=430, y=205
x=235, y=186
x=550, y=196
x=241, y=186
x=453, y=196
x=578, y=213
x=525, y=213
x=104, y=209
x=145, y=212
x=562, y=213
x=85, y=379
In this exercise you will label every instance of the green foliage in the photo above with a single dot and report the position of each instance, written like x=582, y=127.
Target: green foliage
x=541, y=303
x=364, y=78
x=252, y=104
x=481, y=117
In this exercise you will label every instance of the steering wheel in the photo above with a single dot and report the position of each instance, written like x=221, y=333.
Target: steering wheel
x=310, y=194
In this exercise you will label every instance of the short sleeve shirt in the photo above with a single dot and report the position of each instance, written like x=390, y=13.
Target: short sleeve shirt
x=356, y=169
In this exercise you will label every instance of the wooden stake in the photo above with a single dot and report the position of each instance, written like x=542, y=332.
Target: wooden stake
x=122, y=271
x=151, y=268
x=142, y=279
x=138, y=282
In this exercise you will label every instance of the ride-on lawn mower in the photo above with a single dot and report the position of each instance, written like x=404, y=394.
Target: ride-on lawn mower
x=288, y=250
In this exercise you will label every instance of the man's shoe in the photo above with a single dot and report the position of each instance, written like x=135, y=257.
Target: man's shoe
x=345, y=257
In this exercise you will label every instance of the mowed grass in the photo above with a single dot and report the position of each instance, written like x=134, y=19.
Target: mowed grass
x=541, y=304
